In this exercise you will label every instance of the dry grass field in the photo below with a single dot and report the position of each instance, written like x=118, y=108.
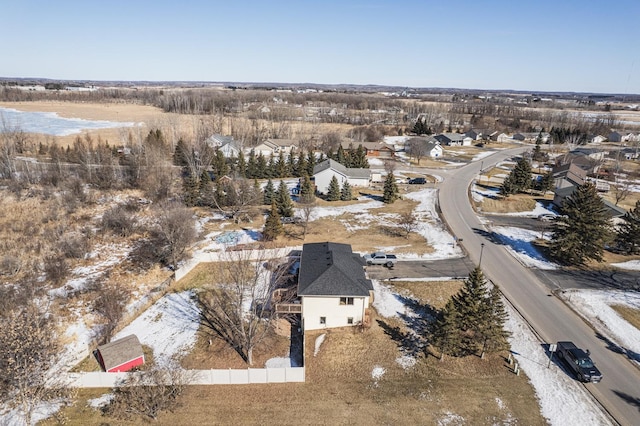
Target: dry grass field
x=341, y=387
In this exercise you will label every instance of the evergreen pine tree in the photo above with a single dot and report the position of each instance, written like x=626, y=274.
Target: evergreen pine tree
x=269, y=193
x=301, y=166
x=283, y=201
x=582, y=231
x=628, y=237
x=270, y=169
x=334, y=190
x=261, y=167
x=345, y=193
x=281, y=166
x=256, y=194
x=390, y=193
x=179, y=154
x=311, y=162
x=220, y=166
x=341, y=156
x=206, y=190
x=306, y=191
x=252, y=168
x=493, y=333
x=508, y=186
x=272, y=225
x=190, y=187
x=446, y=336
x=546, y=182
x=241, y=165
x=292, y=165
x=522, y=175
x=359, y=158
x=469, y=304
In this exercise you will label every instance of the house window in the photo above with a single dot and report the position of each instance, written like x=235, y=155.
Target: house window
x=350, y=320
x=323, y=320
x=346, y=300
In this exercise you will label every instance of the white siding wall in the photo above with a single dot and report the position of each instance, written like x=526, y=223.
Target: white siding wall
x=359, y=182
x=329, y=307
x=323, y=179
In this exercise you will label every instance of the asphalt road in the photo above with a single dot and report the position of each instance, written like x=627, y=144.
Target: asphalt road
x=445, y=268
x=551, y=319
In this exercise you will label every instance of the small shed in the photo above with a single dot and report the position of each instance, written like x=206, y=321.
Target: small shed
x=120, y=355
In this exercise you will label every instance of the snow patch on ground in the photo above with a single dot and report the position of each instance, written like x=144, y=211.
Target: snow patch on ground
x=519, y=242
x=406, y=361
x=318, y=343
x=377, y=372
x=631, y=265
x=451, y=419
x=169, y=326
x=278, y=362
x=100, y=401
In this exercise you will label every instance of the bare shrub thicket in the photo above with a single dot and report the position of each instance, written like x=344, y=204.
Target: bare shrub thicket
x=146, y=394
x=29, y=348
x=56, y=268
x=120, y=220
x=169, y=237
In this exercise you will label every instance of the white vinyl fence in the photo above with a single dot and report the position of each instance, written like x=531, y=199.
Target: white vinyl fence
x=198, y=377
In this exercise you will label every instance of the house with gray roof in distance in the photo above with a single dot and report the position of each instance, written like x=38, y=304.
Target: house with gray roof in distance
x=532, y=137
x=273, y=147
x=323, y=173
x=226, y=144
x=332, y=287
x=454, y=139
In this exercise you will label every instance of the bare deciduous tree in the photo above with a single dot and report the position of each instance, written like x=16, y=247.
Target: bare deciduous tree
x=408, y=223
x=174, y=233
x=621, y=191
x=237, y=307
x=29, y=348
x=110, y=304
x=416, y=148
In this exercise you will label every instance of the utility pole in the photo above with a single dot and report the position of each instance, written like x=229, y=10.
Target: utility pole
x=481, y=250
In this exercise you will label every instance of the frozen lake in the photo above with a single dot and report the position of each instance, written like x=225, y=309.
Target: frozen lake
x=50, y=123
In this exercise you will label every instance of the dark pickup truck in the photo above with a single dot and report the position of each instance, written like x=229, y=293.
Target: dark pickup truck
x=579, y=362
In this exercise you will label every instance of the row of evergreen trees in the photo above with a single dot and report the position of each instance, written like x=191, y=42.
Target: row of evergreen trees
x=520, y=179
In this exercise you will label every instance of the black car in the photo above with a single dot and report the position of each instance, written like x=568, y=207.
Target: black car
x=579, y=362
x=417, y=181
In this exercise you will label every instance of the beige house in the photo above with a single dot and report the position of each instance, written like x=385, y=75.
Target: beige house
x=332, y=287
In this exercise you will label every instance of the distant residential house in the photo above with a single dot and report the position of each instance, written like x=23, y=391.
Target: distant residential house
x=614, y=137
x=454, y=139
x=332, y=287
x=323, y=173
x=266, y=148
x=532, y=137
x=120, y=355
x=432, y=147
x=479, y=134
x=598, y=139
x=630, y=153
x=271, y=147
x=631, y=137
x=371, y=149
x=504, y=138
x=226, y=144
x=569, y=176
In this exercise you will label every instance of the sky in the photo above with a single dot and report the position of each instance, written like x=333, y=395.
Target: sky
x=543, y=45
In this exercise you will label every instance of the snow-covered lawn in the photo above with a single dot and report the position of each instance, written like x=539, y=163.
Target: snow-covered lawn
x=519, y=243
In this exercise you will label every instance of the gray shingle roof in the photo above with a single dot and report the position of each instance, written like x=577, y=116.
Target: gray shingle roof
x=331, y=269
x=120, y=351
x=331, y=164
